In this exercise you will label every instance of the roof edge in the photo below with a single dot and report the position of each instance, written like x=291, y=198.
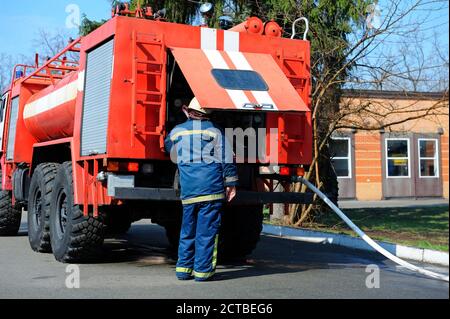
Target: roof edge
x=401, y=95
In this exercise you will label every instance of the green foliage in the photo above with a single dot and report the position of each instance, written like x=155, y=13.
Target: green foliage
x=87, y=26
x=177, y=11
x=424, y=227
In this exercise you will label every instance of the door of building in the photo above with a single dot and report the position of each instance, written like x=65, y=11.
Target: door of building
x=427, y=165
x=411, y=165
x=342, y=152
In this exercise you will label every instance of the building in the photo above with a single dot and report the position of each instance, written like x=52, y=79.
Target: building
x=407, y=160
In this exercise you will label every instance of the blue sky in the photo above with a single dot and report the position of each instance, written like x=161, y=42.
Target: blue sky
x=20, y=21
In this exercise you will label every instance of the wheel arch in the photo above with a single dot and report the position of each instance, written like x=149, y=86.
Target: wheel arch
x=58, y=151
x=55, y=152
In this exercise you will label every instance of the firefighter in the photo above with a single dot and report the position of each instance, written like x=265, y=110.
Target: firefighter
x=208, y=177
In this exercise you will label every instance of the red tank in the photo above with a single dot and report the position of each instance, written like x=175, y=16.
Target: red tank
x=50, y=114
x=273, y=29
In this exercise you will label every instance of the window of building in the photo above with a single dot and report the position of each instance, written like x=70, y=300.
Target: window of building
x=397, y=157
x=428, y=157
x=340, y=151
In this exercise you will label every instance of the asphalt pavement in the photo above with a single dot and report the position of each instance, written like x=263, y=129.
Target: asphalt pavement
x=140, y=265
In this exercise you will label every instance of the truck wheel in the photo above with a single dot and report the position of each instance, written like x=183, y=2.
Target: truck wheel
x=10, y=216
x=74, y=237
x=240, y=231
x=41, y=188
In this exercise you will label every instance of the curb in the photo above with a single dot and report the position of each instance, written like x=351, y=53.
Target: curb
x=312, y=236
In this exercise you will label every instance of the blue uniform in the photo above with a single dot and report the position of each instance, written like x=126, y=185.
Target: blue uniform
x=205, y=163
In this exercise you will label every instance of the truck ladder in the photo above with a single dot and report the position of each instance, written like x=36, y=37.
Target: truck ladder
x=57, y=67
x=148, y=98
x=299, y=83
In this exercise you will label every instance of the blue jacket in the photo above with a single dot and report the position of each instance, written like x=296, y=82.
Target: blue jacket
x=204, y=158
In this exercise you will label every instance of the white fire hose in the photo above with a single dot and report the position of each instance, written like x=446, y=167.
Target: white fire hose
x=367, y=239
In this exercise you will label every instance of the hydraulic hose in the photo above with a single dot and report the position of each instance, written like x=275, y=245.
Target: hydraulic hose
x=367, y=239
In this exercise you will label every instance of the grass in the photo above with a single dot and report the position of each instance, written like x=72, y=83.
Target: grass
x=423, y=227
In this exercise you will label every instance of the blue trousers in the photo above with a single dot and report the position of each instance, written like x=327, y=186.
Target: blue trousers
x=197, y=252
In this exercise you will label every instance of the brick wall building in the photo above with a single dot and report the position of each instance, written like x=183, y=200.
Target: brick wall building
x=410, y=159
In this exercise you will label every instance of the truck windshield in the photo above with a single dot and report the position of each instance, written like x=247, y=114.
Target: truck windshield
x=240, y=80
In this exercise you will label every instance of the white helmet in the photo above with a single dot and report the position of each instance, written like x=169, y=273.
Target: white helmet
x=195, y=106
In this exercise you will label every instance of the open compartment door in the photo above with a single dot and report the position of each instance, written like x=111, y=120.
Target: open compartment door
x=236, y=80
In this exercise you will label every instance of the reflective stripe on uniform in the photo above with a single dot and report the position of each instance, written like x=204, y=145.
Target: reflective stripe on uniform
x=204, y=275
x=192, y=132
x=214, y=261
x=184, y=270
x=204, y=198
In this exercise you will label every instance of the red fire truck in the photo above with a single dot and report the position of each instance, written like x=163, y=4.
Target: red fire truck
x=82, y=134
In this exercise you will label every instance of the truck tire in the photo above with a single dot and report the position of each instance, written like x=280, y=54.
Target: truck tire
x=39, y=199
x=74, y=237
x=10, y=215
x=240, y=231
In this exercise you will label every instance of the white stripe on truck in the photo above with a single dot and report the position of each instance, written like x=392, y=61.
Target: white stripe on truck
x=231, y=47
x=231, y=41
x=209, y=47
x=241, y=63
x=218, y=62
x=56, y=98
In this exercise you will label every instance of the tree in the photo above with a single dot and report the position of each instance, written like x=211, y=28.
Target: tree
x=87, y=25
x=350, y=50
x=7, y=63
x=6, y=67
x=331, y=25
x=350, y=54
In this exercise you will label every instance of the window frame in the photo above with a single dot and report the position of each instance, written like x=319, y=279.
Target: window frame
x=348, y=157
x=3, y=106
x=435, y=158
x=387, y=158
x=214, y=72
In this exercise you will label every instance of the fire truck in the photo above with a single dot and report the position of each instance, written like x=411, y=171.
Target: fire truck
x=82, y=134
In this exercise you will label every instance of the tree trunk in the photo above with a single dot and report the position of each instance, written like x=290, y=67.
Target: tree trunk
x=278, y=209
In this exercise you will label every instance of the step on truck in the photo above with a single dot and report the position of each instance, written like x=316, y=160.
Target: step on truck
x=82, y=134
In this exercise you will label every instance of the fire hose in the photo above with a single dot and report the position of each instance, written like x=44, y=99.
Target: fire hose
x=367, y=239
